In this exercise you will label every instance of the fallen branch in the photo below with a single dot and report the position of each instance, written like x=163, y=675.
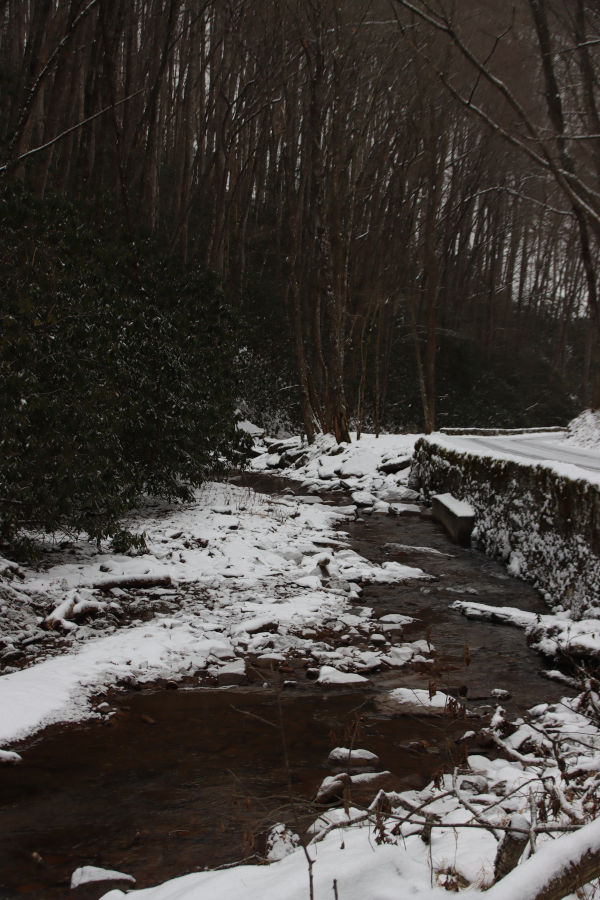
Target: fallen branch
x=138, y=581
x=556, y=870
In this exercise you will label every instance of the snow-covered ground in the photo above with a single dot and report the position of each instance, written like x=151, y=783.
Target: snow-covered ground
x=233, y=574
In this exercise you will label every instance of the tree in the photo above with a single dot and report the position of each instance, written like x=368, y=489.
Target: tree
x=563, y=145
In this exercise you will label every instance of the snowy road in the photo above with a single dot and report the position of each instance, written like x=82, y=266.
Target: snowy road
x=535, y=447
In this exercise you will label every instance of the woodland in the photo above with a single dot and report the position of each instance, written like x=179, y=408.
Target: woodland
x=378, y=215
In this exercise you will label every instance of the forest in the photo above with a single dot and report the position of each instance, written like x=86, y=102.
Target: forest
x=378, y=215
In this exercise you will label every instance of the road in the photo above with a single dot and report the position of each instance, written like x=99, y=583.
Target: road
x=538, y=447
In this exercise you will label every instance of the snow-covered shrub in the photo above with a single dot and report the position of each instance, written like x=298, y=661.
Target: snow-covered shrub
x=117, y=372
x=584, y=430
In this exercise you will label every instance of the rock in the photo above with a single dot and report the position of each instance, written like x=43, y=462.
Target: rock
x=231, y=673
x=392, y=466
x=92, y=882
x=398, y=656
x=332, y=787
x=222, y=651
x=368, y=661
x=399, y=509
x=378, y=639
x=272, y=658
x=474, y=784
x=129, y=681
x=397, y=495
x=396, y=619
x=295, y=455
x=353, y=757
x=256, y=625
x=10, y=757
x=363, y=499
x=281, y=841
x=457, y=517
x=329, y=675
x=257, y=451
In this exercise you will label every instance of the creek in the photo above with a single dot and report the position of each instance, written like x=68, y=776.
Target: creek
x=182, y=779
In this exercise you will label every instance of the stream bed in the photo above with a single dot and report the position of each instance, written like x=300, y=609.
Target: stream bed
x=181, y=779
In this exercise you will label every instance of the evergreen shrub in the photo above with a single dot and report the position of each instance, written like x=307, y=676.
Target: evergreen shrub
x=117, y=371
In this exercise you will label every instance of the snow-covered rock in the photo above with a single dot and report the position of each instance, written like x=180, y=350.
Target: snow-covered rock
x=10, y=757
x=94, y=874
x=281, y=841
x=353, y=756
x=330, y=675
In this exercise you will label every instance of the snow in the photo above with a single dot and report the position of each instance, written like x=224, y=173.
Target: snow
x=94, y=874
x=541, y=521
x=8, y=756
x=358, y=466
x=329, y=675
x=584, y=430
x=551, y=634
x=270, y=575
x=353, y=756
x=555, y=451
x=417, y=699
x=457, y=507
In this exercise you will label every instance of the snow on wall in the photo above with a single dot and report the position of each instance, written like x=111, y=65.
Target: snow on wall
x=543, y=524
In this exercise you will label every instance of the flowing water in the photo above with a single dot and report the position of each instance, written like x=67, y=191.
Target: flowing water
x=183, y=779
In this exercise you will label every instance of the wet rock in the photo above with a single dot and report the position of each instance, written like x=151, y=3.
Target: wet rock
x=333, y=787
x=232, y=673
x=501, y=694
x=129, y=681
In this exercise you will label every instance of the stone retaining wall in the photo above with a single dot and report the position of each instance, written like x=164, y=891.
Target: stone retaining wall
x=545, y=526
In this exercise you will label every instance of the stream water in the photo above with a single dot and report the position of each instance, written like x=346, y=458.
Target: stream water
x=183, y=779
